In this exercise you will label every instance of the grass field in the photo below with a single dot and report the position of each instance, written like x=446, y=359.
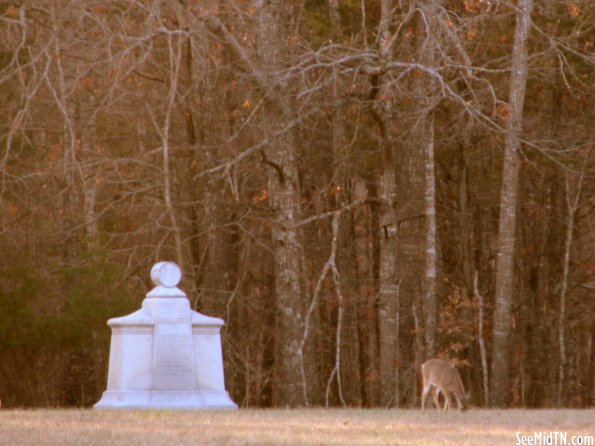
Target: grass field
x=289, y=427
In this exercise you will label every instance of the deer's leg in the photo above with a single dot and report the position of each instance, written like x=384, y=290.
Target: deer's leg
x=446, y=401
x=424, y=396
x=435, y=394
x=459, y=404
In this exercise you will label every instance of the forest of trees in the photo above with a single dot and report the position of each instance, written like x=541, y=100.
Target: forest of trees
x=354, y=186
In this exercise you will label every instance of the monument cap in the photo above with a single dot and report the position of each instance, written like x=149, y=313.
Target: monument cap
x=166, y=274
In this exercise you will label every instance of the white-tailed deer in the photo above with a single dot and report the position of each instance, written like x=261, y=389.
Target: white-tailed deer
x=446, y=379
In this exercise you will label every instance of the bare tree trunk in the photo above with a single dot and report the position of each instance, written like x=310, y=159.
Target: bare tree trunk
x=175, y=61
x=500, y=385
x=425, y=90
x=90, y=181
x=591, y=360
x=350, y=342
x=58, y=87
x=335, y=18
x=431, y=308
x=365, y=228
x=85, y=129
x=285, y=200
x=340, y=312
x=572, y=205
x=418, y=345
x=279, y=156
x=387, y=191
x=194, y=135
x=388, y=293
x=481, y=339
x=215, y=264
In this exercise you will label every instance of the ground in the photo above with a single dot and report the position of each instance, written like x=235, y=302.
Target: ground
x=294, y=427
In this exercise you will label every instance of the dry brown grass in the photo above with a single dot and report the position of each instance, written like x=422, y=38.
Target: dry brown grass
x=284, y=427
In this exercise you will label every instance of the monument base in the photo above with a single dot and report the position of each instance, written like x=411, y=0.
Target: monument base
x=166, y=400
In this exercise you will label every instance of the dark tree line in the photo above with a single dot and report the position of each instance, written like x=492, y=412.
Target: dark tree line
x=353, y=185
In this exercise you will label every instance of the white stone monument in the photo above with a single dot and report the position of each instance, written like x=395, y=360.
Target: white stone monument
x=165, y=355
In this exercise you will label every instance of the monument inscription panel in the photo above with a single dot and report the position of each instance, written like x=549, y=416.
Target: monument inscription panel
x=173, y=357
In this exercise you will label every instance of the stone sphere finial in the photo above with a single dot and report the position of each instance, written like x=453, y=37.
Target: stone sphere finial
x=166, y=274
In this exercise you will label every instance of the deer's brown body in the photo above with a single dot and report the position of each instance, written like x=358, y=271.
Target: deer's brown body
x=442, y=376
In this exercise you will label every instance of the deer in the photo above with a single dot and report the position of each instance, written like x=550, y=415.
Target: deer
x=446, y=379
